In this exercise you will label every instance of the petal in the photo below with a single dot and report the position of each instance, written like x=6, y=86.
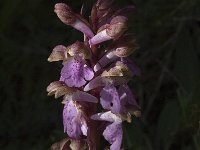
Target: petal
x=83, y=27
x=83, y=96
x=88, y=73
x=52, y=86
x=109, y=99
x=75, y=72
x=117, y=69
x=106, y=116
x=105, y=60
x=79, y=49
x=100, y=37
x=113, y=134
x=57, y=53
x=103, y=81
x=59, y=89
x=96, y=82
x=126, y=95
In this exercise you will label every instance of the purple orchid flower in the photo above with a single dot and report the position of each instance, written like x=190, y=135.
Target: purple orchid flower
x=95, y=77
x=74, y=120
x=118, y=100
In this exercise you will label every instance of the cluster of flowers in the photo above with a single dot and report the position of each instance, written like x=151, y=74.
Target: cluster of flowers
x=94, y=77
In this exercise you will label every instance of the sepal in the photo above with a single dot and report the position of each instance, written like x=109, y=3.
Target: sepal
x=103, y=81
x=59, y=88
x=57, y=54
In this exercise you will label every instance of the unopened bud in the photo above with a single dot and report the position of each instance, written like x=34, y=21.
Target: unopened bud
x=114, y=30
x=65, y=13
x=67, y=16
x=118, y=26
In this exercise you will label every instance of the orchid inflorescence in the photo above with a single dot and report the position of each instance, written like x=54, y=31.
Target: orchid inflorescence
x=94, y=77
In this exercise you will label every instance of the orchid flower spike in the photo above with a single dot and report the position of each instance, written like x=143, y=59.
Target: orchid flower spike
x=94, y=77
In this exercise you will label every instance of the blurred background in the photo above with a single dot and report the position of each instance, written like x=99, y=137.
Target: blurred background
x=168, y=91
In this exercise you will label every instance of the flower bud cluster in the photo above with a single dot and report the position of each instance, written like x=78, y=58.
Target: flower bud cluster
x=94, y=77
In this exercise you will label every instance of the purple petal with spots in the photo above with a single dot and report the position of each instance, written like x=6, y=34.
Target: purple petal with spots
x=74, y=123
x=110, y=99
x=75, y=72
x=113, y=134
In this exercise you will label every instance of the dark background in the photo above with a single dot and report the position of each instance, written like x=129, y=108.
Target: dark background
x=168, y=32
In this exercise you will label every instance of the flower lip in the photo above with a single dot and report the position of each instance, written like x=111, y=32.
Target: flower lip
x=75, y=72
x=74, y=120
x=110, y=99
